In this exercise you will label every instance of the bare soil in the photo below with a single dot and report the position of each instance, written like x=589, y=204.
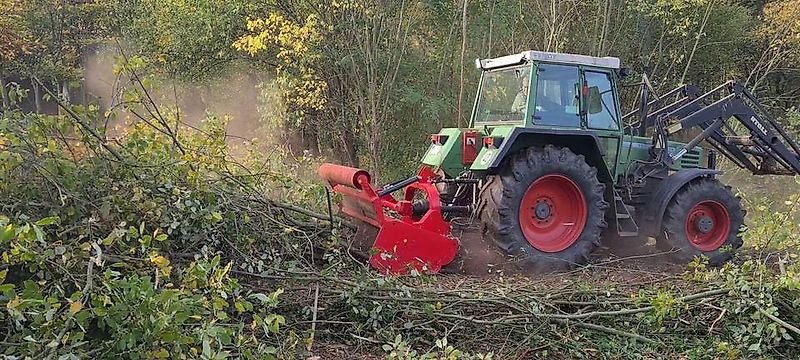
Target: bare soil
x=479, y=259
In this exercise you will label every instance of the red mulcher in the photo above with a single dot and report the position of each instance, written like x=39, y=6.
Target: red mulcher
x=408, y=238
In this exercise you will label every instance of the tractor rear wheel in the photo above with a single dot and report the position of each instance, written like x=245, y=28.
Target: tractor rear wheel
x=545, y=206
x=703, y=219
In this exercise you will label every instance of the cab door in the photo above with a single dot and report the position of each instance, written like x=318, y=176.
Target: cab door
x=601, y=111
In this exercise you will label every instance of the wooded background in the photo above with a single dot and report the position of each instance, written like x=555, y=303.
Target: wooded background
x=158, y=196
x=364, y=82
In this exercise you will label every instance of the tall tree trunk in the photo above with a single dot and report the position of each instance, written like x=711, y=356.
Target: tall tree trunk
x=84, y=99
x=65, y=92
x=83, y=78
x=598, y=17
x=491, y=26
x=446, y=53
x=350, y=147
x=461, y=64
x=37, y=97
x=696, y=42
x=348, y=134
x=64, y=95
x=3, y=94
x=601, y=48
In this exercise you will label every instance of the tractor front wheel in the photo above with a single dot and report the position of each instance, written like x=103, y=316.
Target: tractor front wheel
x=546, y=206
x=702, y=219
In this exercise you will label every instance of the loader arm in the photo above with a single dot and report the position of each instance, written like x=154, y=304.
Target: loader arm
x=638, y=126
x=766, y=150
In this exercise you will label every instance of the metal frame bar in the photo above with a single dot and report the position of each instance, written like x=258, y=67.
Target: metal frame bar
x=733, y=101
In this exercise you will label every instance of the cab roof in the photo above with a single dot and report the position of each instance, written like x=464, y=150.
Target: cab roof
x=604, y=62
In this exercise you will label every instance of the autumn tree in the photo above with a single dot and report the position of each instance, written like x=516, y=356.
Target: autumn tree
x=778, y=63
x=14, y=42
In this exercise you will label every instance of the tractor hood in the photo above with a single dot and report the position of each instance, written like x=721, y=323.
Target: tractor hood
x=454, y=150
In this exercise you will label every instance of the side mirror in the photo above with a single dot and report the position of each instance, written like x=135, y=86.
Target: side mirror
x=624, y=72
x=594, y=103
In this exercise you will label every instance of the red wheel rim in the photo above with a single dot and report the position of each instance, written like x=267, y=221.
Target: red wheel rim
x=708, y=225
x=552, y=213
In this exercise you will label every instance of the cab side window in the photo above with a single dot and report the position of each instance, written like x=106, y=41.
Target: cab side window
x=601, y=106
x=556, y=96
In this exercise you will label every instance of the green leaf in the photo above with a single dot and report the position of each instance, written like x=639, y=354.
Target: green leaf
x=110, y=238
x=274, y=321
x=261, y=297
x=133, y=232
x=273, y=298
x=39, y=233
x=161, y=237
x=7, y=233
x=161, y=354
x=206, y=348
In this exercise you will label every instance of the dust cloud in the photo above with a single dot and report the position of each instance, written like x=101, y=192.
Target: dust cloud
x=248, y=97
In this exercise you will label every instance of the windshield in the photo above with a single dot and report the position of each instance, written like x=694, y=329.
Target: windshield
x=503, y=95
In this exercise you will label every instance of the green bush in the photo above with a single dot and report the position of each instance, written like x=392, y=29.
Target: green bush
x=110, y=257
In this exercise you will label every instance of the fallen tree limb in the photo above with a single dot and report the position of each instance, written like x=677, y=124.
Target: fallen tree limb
x=606, y=330
x=778, y=320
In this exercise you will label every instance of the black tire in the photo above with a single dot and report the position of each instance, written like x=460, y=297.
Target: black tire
x=674, y=234
x=502, y=195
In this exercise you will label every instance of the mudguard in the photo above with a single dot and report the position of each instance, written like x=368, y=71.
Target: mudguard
x=654, y=212
x=541, y=137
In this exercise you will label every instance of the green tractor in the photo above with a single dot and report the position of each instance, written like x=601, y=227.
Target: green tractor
x=550, y=167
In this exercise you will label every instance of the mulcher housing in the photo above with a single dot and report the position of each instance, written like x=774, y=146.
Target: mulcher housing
x=549, y=162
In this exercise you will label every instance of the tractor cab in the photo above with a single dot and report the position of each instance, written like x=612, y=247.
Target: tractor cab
x=540, y=89
x=532, y=98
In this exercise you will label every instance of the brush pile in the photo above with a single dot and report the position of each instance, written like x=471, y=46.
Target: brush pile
x=156, y=244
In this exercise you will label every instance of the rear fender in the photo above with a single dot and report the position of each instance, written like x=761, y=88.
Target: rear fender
x=579, y=141
x=654, y=212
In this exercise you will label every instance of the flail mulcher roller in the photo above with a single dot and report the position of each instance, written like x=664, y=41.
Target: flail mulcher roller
x=549, y=166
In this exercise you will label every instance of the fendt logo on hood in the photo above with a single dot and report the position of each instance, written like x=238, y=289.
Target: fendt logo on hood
x=758, y=125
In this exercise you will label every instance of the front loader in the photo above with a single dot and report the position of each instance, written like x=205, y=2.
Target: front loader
x=549, y=166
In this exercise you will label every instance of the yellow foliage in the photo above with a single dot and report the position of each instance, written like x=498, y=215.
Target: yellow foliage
x=75, y=307
x=12, y=42
x=14, y=303
x=161, y=354
x=295, y=48
x=781, y=25
x=162, y=263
